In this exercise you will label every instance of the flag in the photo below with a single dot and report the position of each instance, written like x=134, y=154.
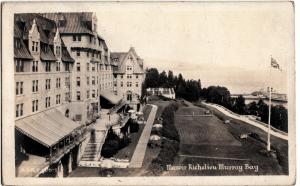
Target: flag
x=275, y=64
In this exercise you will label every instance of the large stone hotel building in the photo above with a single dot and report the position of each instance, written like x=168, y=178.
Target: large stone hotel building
x=65, y=76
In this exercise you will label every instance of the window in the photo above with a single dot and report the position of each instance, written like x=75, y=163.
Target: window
x=57, y=50
x=47, y=102
x=93, y=80
x=17, y=43
x=79, y=38
x=57, y=66
x=47, y=85
x=78, y=81
x=36, y=46
x=57, y=82
x=129, y=76
x=35, y=85
x=87, y=80
x=121, y=76
x=137, y=77
x=67, y=96
x=93, y=54
x=88, y=67
x=87, y=54
x=57, y=99
x=19, y=65
x=67, y=67
x=78, y=117
x=48, y=67
x=78, y=95
x=115, y=84
x=136, y=84
x=35, y=106
x=78, y=67
x=93, y=93
x=129, y=84
x=97, y=93
x=93, y=67
x=87, y=94
x=19, y=88
x=74, y=37
x=67, y=82
x=19, y=110
x=34, y=66
x=32, y=47
x=77, y=53
x=121, y=84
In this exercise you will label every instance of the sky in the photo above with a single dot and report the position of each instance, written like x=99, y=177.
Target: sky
x=226, y=44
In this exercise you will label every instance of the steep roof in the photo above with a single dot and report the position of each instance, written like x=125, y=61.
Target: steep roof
x=47, y=29
x=73, y=22
x=22, y=51
x=121, y=61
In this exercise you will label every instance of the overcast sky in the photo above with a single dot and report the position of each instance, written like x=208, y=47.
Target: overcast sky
x=226, y=44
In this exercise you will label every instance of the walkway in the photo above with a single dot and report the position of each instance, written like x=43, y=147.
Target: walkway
x=263, y=127
x=140, y=150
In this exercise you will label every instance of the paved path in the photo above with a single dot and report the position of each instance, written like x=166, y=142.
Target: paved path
x=140, y=150
x=247, y=120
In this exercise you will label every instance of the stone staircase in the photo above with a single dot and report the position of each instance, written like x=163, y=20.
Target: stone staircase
x=92, y=151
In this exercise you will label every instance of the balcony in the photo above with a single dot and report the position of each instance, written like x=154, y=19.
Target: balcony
x=65, y=145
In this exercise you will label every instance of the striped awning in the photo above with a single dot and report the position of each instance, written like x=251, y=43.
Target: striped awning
x=47, y=128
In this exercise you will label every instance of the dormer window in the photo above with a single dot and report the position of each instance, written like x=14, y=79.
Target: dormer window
x=17, y=43
x=57, y=50
x=76, y=37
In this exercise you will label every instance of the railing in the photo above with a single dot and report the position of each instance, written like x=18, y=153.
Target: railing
x=60, y=152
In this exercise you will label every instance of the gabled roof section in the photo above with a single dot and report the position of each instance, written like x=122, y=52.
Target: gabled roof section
x=121, y=61
x=47, y=29
x=22, y=51
x=73, y=22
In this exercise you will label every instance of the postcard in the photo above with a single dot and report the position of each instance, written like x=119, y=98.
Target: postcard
x=148, y=93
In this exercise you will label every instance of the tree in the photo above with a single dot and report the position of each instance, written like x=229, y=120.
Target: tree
x=152, y=78
x=252, y=108
x=239, y=105
x=279, y=118
x=171, y=80
x=218, y=95
x=163, y=79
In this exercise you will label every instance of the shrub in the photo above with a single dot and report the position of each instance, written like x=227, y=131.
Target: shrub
x=113, y=144
x=169, y=130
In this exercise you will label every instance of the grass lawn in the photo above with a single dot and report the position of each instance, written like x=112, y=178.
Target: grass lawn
x=236, y=127
x=127, y=152
x=208, y=141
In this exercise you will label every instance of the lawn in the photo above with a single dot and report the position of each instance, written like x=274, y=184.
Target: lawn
x=236, y=127
x=207, y=140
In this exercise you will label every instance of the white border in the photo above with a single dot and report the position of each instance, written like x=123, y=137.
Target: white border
x=8, y=10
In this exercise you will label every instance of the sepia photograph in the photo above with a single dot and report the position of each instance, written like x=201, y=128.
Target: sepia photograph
x=183, y=91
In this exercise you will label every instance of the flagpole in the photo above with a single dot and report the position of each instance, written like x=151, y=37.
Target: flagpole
x=269, y=119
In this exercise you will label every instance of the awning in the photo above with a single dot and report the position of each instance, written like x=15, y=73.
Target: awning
x=47, y=128
x=111, y=97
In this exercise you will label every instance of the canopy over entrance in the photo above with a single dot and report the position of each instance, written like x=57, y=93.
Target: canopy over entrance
x=111, y=97
x=47, y=128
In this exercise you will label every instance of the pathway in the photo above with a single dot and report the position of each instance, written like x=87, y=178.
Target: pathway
x=140, y=150
x=247, y=120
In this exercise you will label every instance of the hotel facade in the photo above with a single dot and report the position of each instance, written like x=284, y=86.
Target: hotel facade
x=62, y=68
